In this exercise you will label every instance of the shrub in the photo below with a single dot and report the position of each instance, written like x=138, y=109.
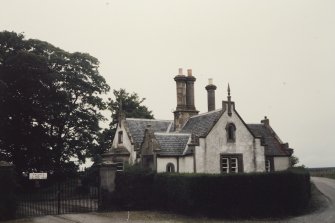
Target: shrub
x=239, y=195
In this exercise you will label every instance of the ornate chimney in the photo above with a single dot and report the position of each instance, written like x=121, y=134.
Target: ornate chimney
x=211, y=94
x=185, y=98
x=181, y=90
x=190, y=90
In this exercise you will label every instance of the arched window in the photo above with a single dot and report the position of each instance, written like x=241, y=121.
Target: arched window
x=170, y=168
x=230, y=129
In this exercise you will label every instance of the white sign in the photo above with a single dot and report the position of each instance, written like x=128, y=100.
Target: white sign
x=38, y=176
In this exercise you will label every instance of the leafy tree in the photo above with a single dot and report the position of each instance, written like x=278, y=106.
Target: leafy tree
x=50, y=102
x=131, y=107
x=294, y=160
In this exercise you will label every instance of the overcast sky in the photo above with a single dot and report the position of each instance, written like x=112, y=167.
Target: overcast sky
x=278, y=56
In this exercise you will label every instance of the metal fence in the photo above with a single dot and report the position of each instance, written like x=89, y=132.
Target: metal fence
x=51, y=197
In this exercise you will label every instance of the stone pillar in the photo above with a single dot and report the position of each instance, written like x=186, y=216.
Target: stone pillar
x=107, y=176
x=211, y=95
x=190, y=90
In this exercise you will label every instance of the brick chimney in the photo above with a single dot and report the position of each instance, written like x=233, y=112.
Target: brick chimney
x=211, y=94
x=266, y=121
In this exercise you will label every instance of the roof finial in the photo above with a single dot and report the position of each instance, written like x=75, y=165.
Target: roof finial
x=120, y=105
x=121, y=114
x=229, y=101
x=228, y=90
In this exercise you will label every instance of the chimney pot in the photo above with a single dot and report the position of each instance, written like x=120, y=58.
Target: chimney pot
x=180, y=71
x=189, y=72
x=266, y=121
x=210, y=94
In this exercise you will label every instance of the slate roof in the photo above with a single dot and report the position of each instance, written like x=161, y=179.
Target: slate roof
x=201, y=124
x=172, y=144
x=137, y=127
x=273, y=145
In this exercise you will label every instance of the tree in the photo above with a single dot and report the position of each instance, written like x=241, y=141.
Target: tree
x=131, y=107
x=50, y=104
x=294, y=160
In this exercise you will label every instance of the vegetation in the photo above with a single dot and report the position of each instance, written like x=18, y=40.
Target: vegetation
x=240, y=195
x=50, y=104
x=8, y=199
x=323, y=172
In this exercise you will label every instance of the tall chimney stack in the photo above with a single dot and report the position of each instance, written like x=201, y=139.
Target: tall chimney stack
x=190, y=90
x=211, y=94
x=185, y=99
x=181, y=90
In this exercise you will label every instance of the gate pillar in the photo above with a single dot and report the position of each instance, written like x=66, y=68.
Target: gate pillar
x=107, y=176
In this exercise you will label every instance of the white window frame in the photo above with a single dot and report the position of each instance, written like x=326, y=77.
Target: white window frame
x=225, y=164
x=234, y=165
x=267, y=165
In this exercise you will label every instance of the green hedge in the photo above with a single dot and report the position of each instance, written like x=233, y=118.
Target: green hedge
x=8, y=199
x=240, y=195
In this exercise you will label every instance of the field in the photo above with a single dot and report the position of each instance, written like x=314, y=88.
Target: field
x=328, y=172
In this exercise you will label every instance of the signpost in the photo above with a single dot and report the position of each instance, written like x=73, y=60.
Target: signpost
x=38, y=176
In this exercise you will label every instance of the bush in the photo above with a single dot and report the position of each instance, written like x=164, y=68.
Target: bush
x=240, y=195
x=8, y=199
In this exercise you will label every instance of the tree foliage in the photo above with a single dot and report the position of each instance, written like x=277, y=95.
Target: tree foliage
x=50, y=102
x=131, y=106
x=294, y=160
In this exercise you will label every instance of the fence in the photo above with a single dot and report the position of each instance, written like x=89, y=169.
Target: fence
x=48, y=197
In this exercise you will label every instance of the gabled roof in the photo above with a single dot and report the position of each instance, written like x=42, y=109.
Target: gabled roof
x=172, y=144
x=201, y=124
x=273, y=145
x=137, y=127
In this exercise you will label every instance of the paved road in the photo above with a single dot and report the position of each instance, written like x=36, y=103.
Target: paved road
x=327, y=215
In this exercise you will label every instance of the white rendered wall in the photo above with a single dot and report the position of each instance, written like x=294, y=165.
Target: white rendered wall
x=281, y=163
x=125, y=142
x=186, y=164
x=210, y=148
x=162, y=162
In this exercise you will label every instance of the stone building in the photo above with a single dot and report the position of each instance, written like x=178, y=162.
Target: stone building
x=218, y=141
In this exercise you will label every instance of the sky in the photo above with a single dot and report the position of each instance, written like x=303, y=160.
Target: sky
x=277, y=56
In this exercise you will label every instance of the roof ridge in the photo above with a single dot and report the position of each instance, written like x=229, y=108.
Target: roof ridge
x=206, y=113
x=152, y=120
x=172, y=133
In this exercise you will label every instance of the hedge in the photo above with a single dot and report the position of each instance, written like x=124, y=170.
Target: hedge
x=239, y=195
x=8, y=199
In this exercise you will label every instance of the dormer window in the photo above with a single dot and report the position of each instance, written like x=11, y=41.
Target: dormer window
x=120, y=137
x=231, y=129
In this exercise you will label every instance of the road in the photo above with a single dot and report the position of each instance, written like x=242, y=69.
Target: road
x=326, y=215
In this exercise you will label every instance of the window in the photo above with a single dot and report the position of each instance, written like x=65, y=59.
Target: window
x=234, y=165
x=230, y=129
x=120, y=138
x=170, y=168
x=119, y=166
x=269, y=167
x=231, y=163
x=225, y=165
